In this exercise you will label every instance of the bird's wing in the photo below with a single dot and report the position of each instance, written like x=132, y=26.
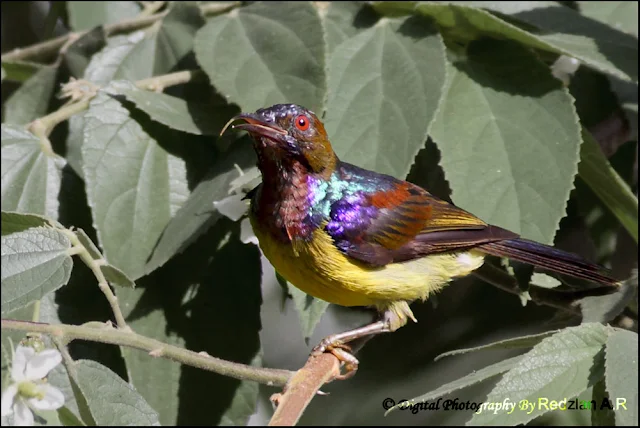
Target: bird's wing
x=407, y=222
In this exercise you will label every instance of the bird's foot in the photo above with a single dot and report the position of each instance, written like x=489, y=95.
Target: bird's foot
x=342, y=352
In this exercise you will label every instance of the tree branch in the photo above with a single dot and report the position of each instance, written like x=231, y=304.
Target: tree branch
x=105, y=333
x=49, y=47
x=302, y=387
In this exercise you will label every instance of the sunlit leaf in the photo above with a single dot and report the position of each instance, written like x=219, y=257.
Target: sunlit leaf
x=561, y=366
x=265, y=54
x=509, y=139
x=30, y=176
x=384, y=88
x=134, y=186
x=35, y=262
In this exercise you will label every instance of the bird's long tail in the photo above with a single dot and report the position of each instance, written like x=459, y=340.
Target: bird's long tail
x=550, y=258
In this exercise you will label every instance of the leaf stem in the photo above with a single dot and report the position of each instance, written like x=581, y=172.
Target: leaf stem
x=110, y=335
x=94, y=265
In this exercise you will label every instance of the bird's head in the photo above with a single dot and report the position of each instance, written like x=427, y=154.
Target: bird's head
x=289, y=132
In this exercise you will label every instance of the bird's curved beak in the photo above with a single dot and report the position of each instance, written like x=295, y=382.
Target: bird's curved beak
x=257, y=126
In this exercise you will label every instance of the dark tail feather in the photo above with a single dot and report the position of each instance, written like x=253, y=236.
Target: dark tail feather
x=550, y=258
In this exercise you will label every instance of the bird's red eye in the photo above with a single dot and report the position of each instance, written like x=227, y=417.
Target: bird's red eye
x=302, y=122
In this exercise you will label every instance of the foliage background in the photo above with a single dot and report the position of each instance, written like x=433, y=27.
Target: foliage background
x=139, y=172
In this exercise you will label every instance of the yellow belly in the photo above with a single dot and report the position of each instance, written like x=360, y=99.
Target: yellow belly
x=321, y=270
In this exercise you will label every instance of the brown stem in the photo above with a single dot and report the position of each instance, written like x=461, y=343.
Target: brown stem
x=303, y=386
x=106, y=334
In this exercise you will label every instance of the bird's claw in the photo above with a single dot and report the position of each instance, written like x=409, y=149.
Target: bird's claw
x=342, y=352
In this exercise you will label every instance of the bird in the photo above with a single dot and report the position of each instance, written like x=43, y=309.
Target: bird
x=355, y=237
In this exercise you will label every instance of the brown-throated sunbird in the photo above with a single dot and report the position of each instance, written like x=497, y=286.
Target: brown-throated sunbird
x=354, y=237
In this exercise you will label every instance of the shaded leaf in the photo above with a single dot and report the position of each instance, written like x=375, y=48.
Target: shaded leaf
x=595, y=170
x=310, y=309
x=384, y=88
x=88, y=244
x=605, y=308
x=80, y=52
x=509, y=139
x=621, y=370
x=515, y=343
x=172, y=111
x=86, y=15
x=31, y=100
x=134, y=186
x=266, y=54
x=30, y=177
x=116, y=277
x=13, y=222
x=35, y=262
x=111, y=400
x=601, y=416
x=561, y=366
x=198, y=214
x=161, y=49
x=465, y=381
x=194, y=302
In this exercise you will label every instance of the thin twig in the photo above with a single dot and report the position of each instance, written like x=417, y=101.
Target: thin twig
x=505, y=282
x=303, y=386
x=49, y=47
x=94, y=265
x=107, y=334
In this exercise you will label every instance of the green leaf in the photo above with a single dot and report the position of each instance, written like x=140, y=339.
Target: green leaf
x=173, y=112
x=265, y=54
x=465, y=381
x=621, y=15
x=561, y=366
x=394, y=72
x=343, y=20
x=101, y=70
x=80, y=52
x=111, y=400
x=595, y=170
x=509, y=139
x=21, y=71
x=35, y=262
x=134, y=186
x=310, y=309
x=515, y=343
x=621, y=370
x=605, y=308
x=116, y=277
x=564, y=31
x=597, y=45
x=31, y=100
x=30, y=177
x=198, y=214
x=88, y=244
x=86, y=15
x=13, y=222
x=544, y=281
x=134, y=57
x=161, y=50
